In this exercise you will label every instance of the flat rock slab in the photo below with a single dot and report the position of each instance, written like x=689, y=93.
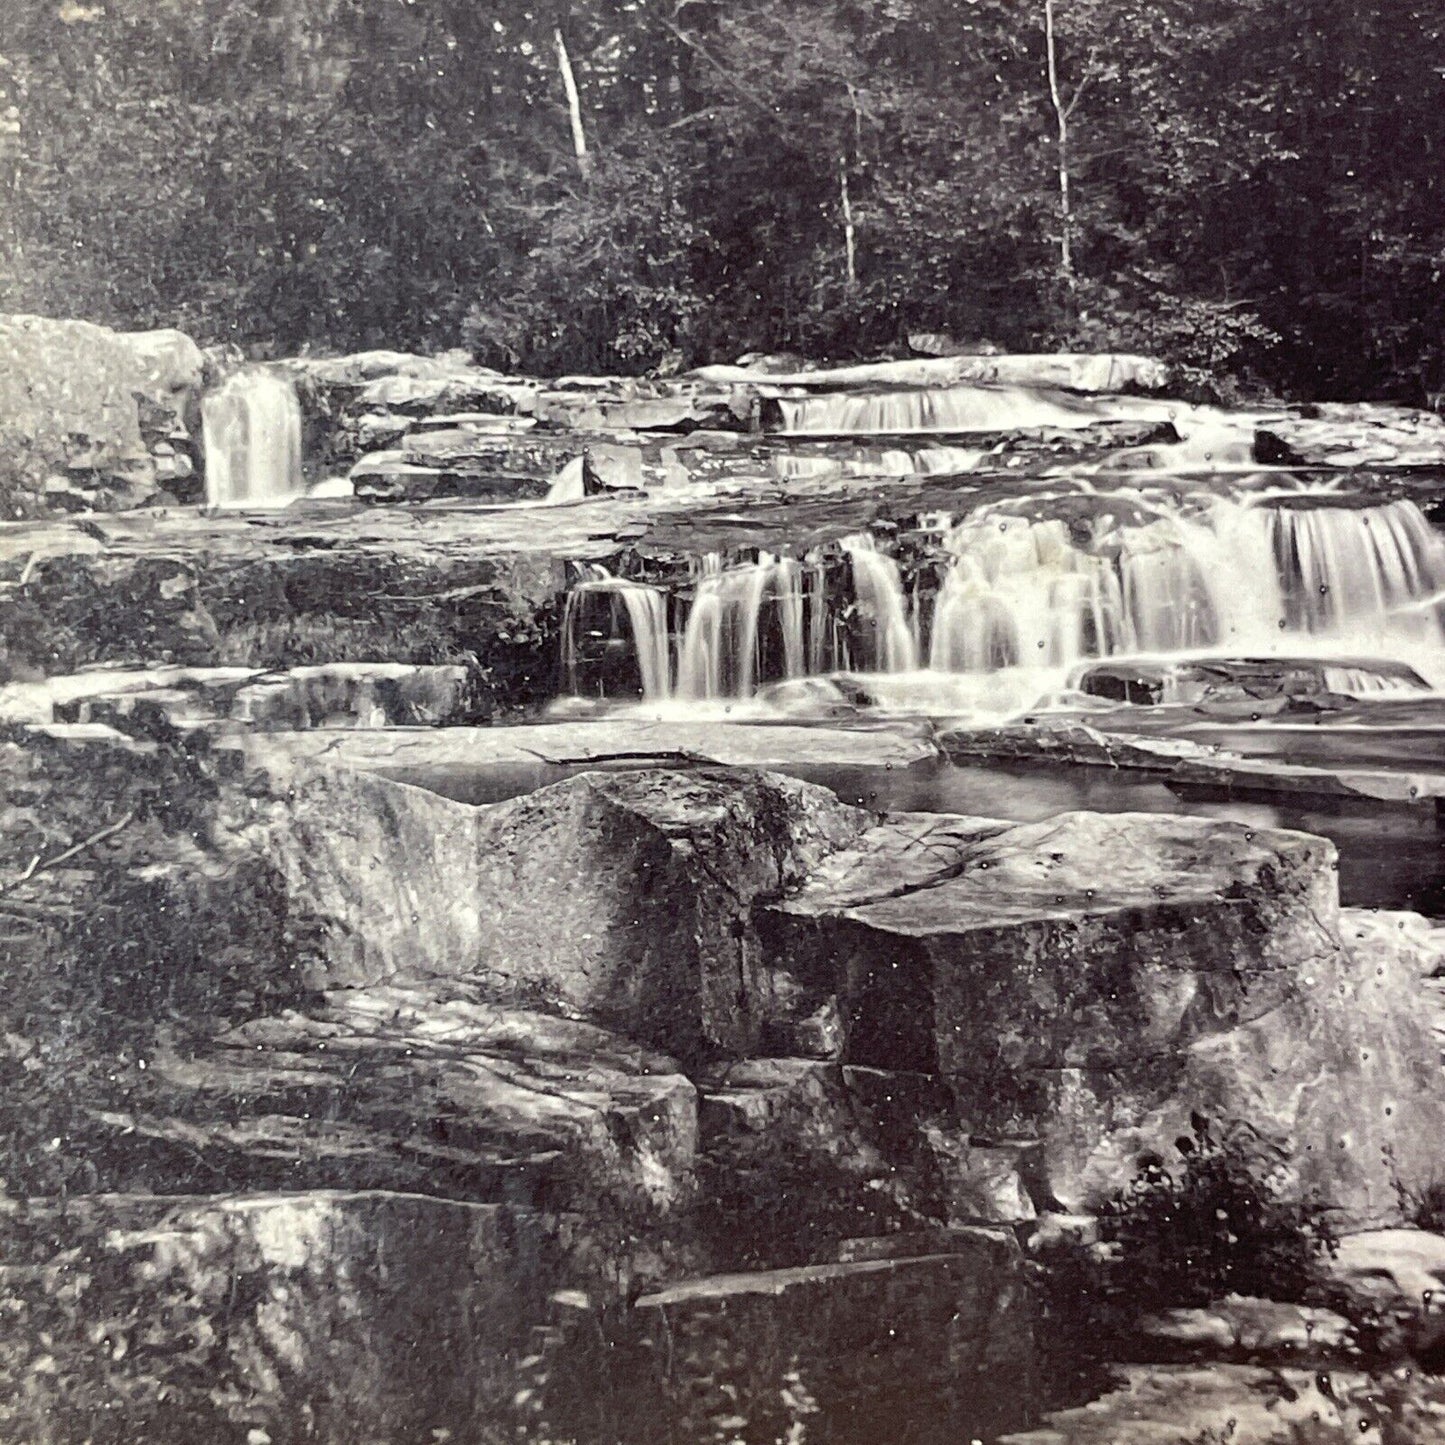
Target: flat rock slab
x=1101, y=372
x=419, y=1090
x=932, y=1350
x=1085, y=940
x=1092, y=980
x=453, y=754
x=352, y=694
x=371, y=1315
x=1396, y=1278
x=1367, y=764
x=1184, y=1405
x=1251, y=1330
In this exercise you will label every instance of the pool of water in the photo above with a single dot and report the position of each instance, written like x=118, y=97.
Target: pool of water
x=1391, y=856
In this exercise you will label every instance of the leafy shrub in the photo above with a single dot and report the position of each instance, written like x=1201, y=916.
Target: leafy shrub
x=1213, y=346
x=1220, y=1221
x=1222, y=1224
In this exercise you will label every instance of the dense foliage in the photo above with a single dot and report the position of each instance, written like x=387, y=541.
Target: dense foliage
x=1253, y=187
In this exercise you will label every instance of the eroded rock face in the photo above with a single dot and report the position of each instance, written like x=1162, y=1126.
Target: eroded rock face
x=928, y=1349
x=425, y=1090
x=646, y=882
x=621, y=897
x=81, y=408
x=1091, y=980
x=320, y=1316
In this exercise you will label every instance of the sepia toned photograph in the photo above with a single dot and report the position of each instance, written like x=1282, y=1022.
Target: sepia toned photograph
x=722, y=722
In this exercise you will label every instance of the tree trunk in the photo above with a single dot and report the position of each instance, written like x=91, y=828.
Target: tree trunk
x=1061, y=114
x=574, y=106
x=850, y=235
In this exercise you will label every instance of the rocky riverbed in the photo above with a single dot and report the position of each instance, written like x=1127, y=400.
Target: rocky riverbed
x=601, y=927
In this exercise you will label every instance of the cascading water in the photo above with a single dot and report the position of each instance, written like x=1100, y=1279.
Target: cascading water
x=645, y=610
x=252, y=431
x=1033, y=596
x=953, y=410
x=746, y=624
x=879, y=590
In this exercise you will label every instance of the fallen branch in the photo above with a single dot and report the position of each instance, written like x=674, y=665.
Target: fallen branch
x=37, y=866
x=669, y=756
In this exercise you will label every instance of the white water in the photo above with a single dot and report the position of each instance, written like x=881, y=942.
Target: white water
x=252, y=435
x=727, y=628
x=882, y=606
x=1024, y=599
x=957, y=410
x=570, y=484
x=646, y=612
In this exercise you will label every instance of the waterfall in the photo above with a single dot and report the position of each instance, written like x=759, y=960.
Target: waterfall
x=1032, y=596
x=645, y=609
x=1248, y=578
x=1019, y=594
x=879, y=591
x=953, y=410
x=570, y=483
x=745, y=626
x=252, y=432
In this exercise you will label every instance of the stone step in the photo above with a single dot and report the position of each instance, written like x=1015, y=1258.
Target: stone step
x=346, y=695
x=933, y=1350
x=407, y=1089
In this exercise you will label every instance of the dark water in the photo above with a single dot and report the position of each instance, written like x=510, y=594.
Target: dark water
x=1391, y=855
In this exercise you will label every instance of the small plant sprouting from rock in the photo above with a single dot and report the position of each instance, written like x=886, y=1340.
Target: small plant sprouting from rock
x=1219, y=1220
x=1222, y=1222
x=1423, y=1206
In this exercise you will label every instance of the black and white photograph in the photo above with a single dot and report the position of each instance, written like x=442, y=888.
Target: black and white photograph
x=722, y=722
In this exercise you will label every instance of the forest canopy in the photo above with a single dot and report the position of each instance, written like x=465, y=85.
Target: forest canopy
x=1249, y=188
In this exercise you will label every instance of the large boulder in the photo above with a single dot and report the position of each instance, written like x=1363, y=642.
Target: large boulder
x=83, y=409
x=1092, y=981
x=625, y=897
x=931, y=1349
x=326, y=1317
x=646, y=882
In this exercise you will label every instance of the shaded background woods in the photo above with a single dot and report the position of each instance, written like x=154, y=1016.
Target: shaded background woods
x=1253, y=187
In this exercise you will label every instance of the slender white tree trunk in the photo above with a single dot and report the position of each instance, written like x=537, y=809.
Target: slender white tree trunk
x=574, y=106
x=850, y=235
x=1061, y=114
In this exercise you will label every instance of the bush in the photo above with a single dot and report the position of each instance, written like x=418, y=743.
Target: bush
x=1213, y=346
x=1221, y=1224
x=1220, y=1221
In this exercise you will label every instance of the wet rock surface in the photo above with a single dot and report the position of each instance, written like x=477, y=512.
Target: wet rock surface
x=1343, y=435
x=357, y=695
x=762, y=1061
x=576, y=1080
